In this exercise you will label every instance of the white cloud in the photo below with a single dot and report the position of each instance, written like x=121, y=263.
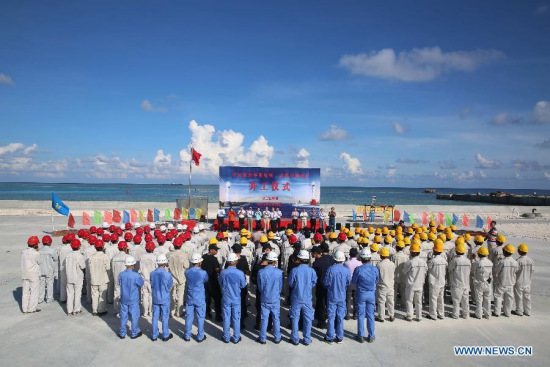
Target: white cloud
x=10, y=148
x=391, y=172
x=219, y=148
x=464, y=176
x=161, y=159
x=447, y=165
x=302, y=158
x=416, y=65
x=353, y=165
x=30, y=149
x=504, y=119
x=482, y=173
x=542, y=111
x=547, y=175
x=102, y=166
x=486, y=163
x=146, y=105
x=399, y=128
x=541, y=9
x=334, y=134
x=5, y=79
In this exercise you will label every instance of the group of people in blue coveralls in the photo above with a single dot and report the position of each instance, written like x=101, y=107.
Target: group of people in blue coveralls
x=302, y=279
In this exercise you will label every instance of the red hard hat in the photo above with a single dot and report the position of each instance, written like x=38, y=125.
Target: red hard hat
x=178, y=242
x=64, y=239
x=81, y=231
x=99, y=244
x=219, y=236
x=128, y=225
x=114, y=238
x=99, y=231
x=186, y=236
x=46, y=239
x=93, y=229
x=106, y=237
x=293, y=239
x=33, y=240
x=119, y=231
x=137, y=239
x=150, y=246
x=122, y=245
x=342, y=236
x=92, y=239
x=86, y=234
x=318, y=237
x=161, y=239
x=112, y=228
x=169, y=236
x=75, y=244
x=70, y=237
x=148, y=237
x=146, y=229
x=157, y=233
x=128, y=236
x=139, y=231
x=174, y=232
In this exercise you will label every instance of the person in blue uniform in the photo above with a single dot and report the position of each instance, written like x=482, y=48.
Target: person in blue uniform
x=365, y=278
x=130, y=284
x=337, y=279
x=195, y=303
x=270, y=285
x=232, y=280
x=302, y=279
x=161, y=283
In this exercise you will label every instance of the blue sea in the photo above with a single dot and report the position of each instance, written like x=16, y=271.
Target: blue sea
x=169, y=193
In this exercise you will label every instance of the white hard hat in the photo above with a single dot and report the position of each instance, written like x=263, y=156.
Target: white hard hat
x=129, y=261
x=365, y=253
x=195, y=230
x=184, y=227
x=137, y=225
x=201, y=227
x=179, y=227
x=105, y=225
x=272, y=256
x=232, y=258
x=163, y=228
x=122, y=226
x=152, y=225
x=303, y=255
x=339, y=256
x=196, y=258
x=170, y=226
x=161, y=259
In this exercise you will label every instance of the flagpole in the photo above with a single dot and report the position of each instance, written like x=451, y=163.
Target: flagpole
x=53, y=227
x=190, y=168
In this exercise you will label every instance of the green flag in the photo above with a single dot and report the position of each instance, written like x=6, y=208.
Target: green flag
x=448, y=220
x=167, y=215
x=97, y=217
x=411, y=219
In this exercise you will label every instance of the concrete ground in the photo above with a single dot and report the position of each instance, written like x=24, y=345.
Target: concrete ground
x=51, y=338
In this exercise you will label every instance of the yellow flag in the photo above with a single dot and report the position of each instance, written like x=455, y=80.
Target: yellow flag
x=184, y=213
x=198, y=213
x=432, y=217
x=141, y=216
x=386, y=216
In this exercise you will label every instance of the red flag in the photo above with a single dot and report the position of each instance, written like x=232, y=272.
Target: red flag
x=71, y=221
x=133, y=216
x=489, y=220
x=465, y=221
x=396, y=215
x=85, y=219
x=177, y=214
x=150, y=215
x=108, y=217
x=440, y=219
x=424, y=218
x=195, y=156
x=116, y=216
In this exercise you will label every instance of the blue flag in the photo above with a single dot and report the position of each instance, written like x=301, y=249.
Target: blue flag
x=156, y=215
x=59, y=206
x=354, y=215
x=455, y=219
x=125, y=217
x=406, y=217
x=479, y=222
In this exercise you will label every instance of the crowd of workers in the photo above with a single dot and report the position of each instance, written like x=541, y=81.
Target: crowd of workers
x=360, y=273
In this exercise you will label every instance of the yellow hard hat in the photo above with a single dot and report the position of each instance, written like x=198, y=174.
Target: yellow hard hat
x=392, y=233
x=357, y=230
x=399, y=229
x=263, y=239
x=433, y=230
x=333, y=236
x=438, y=246
x=501, y=239
x=450, y=236
x=467, y=237
x=460, y=248
x=360, y=240
x=377, y=239
x=364, y=232
x=432, y=236
x=416, y=237
x=459, y=241
x=244, y=241
x=410, y=230
x=442, y=237
x=509, y=249
x=400, y=244
x=225, y=235
x=213, y=241
x=374, y=247
x=424, y=229
x=479, y=239
x=407, y=241
x=440, y=227
x=344, y=229
x=414, y=226
x=385, y=252
x=385, y=230
x=378, y=231
x=371, y=230
x=417, y=241
x=447, y=229
x=418, y=230
x=270, y=236
x=289, y=231
x=483, y=251
x=365, y=240
x=399, y=237
x=453, y=227
x=243, y=232
x=432, y=223
x=350, y=234
x=423, y=236
x=248, y=234
x=388, y=239
x=523, y=248
x=415, y=248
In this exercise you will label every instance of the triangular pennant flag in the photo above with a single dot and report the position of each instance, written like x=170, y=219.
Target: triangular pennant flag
x=489, y=220
x=448, y=220
x=440, y=218
x=198, y=213
x=396, y=215
x=177, y=214
x=108, y=217
x=386, y=216
x=150, y=216
x=125, y=217
x=411, y=219
x=195, y=156
x=141, y=216
x=432, y=216
x=59, y=206
x=455, y=219
x=156, y=215
x=406, y=217
x=167, y=215
x=465, y=221
x=97, y=217
x=479, y=222
x=85, y=219
x=133, y=216
x=185, y=213
x=116, y=216
x=354, y=216
x=424, y=218
x=70, y=223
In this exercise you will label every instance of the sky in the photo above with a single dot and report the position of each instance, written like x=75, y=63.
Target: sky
x=400, y=93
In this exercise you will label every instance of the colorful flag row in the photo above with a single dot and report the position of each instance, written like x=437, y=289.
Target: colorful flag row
x=443, y=219
x=133, y=216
